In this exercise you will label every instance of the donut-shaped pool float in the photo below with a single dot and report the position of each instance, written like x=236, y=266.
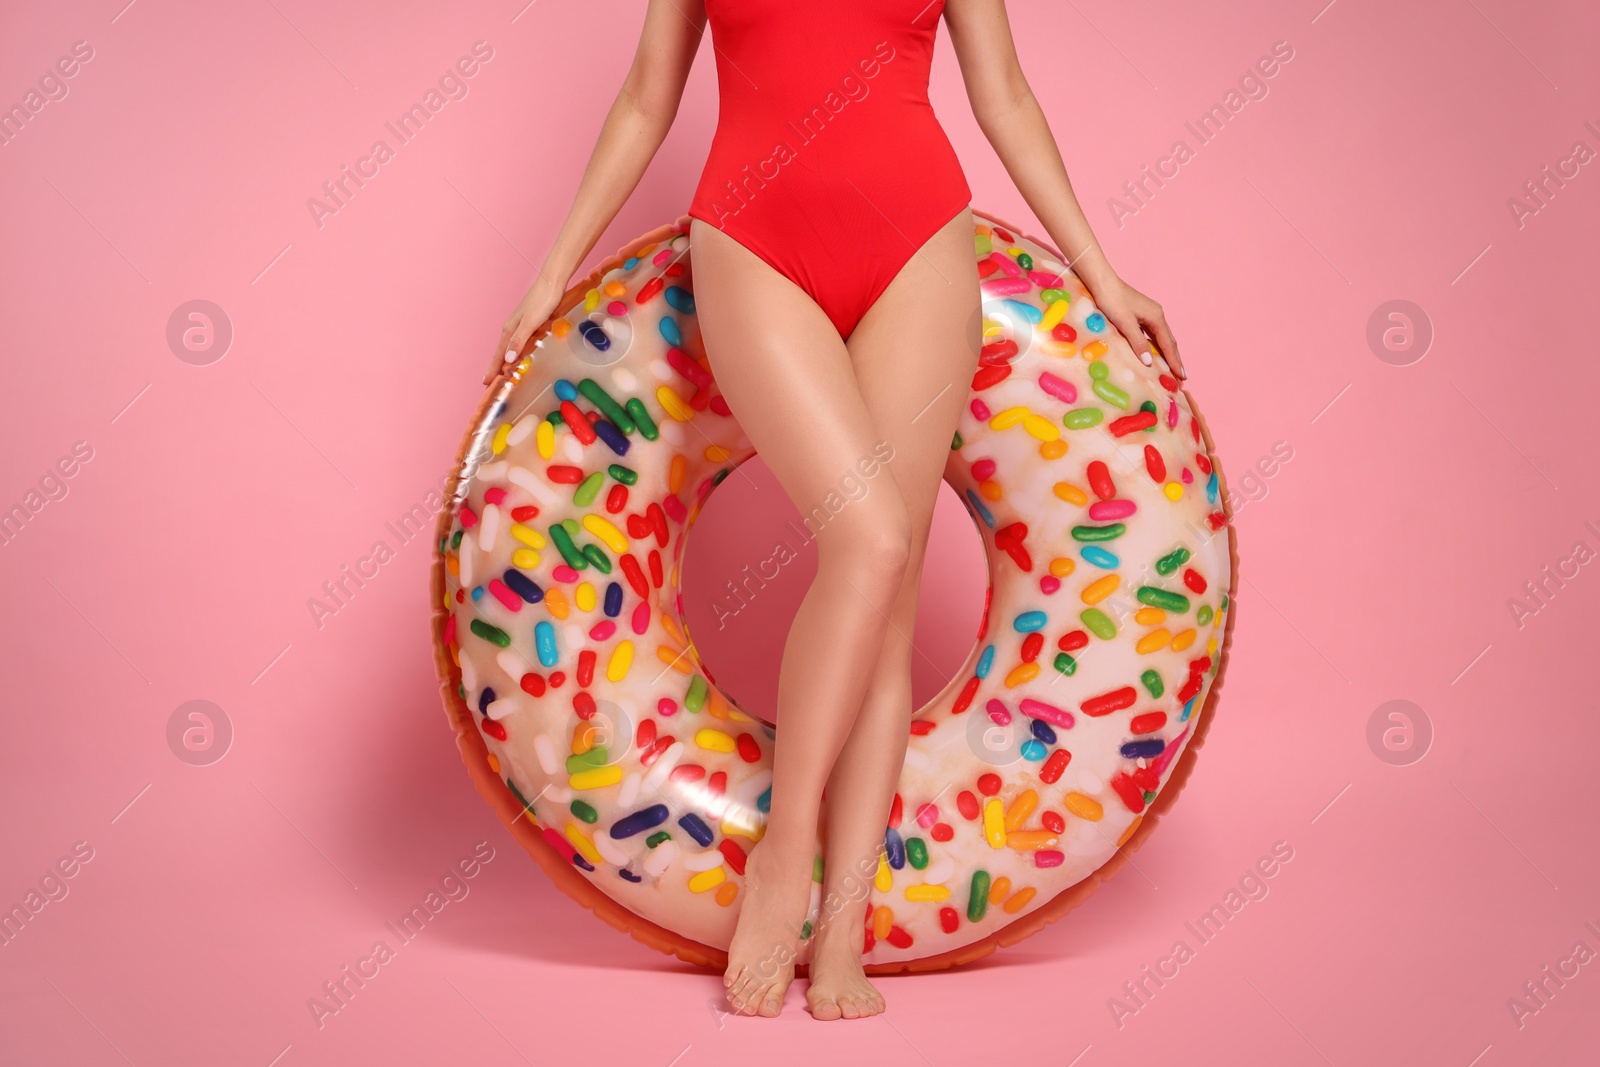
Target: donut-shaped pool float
x=586, y=717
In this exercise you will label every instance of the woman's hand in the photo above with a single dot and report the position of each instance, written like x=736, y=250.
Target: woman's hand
x=534, y=309
x=1141, y=321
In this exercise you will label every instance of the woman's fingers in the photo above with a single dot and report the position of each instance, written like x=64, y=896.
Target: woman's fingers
x=499, y=358
x=1129, y=325
x=1166, y=343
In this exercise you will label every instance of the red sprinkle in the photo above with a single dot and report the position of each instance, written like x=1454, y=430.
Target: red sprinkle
x=577, y=422
x=586, y=660
x=964, y=701
x=1147, y=723
x=562, y=474
x=1073, y=640
x=1053, y=822
x=1050, y=773
x=1132, y=423
x=989, y=784
x=942, y=831
x=1100, y=481
x=494, y=729
x=651, y=288
x=949, y=920
x=532, y=684
x=733, y=854
x=1106, y=703
x=967, y=804
x=525, y=513
x=1194, y=580
x=1154, y=463
x=749, y=750
x=617, y=499
x=1130, y=793
x=1030, y=646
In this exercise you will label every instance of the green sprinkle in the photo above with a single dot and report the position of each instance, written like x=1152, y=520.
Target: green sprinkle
x=623, y=474
x=608, y=407
x=1163, y=599
x=805, y=930
x=584, y=811
x=587, y=761
x=1065, y=663
x=1098, y=371
x=916, y=852
x=1224, y=602
x=1109, y=532
x=1098, y=623
x=982, y=244
x=656, y=838
x=597, y=556
x=555, y=419
x=1150, y=406
x=1083, y=418
x=492, y=634
x=816, y=869
x=1024, y=261
x=1203, y=616
x=588, y=489
x=455, y=540
x=695, y=699
x=1050, y=296
x=518, y=794
x=955, y=442
x=1152, y=682
x=1111, y=394
x=978, y=900
x=572, y=527
x=1172, y=561
x=641, y=417
x=569, y=551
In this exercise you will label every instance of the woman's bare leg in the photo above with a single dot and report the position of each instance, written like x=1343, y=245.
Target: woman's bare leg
x=914, y=354
x=781, y=364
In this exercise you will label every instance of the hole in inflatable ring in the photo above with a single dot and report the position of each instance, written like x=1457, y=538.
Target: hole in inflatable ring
x=747, y=565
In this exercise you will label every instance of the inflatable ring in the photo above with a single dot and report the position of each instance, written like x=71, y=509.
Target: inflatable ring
x=587, y=719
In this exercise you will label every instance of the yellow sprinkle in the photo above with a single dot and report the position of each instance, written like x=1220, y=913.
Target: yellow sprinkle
x=1148, y=616
x=527, y=535
x=1020, y=900
x=1062, y=566
x=1008, y=418
x=989, y=490
x=998, y=890
x=716, y=453
x=605, y=531
x=714, y=740
x=615, y=288
x=1123, y=840
x=1211, y=649
x=596, y=777
x=674, y=658
x=1040, y=427
x=1023, y=672
x=726, y=892
x=1183, y=640
x=1053, y=315
x=707, y=880
x=591, y=299
x=1031, y=840
x=498, y=445
x=1071, y=493
x=525, y=559
x=561, y=327
x=755, y=828
x=544, y=439
x=927, y=893
x=584, y=595
x=882, y=920
x=1153, y=640
x=675, y=473
x=581, y=842
x=555, y=602
x=621, y=660
x=673, y=404
x=1094, y=350
x=1084, y=807
x=1100, y=588
x=1020, y=809
x=1174, y=490
x=1053, y=449
x=883, y=881
x=994, y=823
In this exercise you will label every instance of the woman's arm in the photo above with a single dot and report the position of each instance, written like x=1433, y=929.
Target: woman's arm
x=1012, y=120
x=634, y=129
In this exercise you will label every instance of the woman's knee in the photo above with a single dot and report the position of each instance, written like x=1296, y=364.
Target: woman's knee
x=874, y=549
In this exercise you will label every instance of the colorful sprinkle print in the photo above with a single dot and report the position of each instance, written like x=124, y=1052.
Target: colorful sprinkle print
x=1088, y=477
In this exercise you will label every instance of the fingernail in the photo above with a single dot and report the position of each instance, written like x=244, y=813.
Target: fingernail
x=1144, y=357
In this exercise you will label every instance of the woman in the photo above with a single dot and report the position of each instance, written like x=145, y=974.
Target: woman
x=838, y=299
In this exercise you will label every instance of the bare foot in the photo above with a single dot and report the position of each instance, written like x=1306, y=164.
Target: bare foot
x=839, y=988
x=761, y=957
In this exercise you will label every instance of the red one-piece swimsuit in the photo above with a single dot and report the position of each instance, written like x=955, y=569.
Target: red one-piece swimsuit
x=828, y=162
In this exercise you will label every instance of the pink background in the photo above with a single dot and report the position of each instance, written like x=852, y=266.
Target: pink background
x=1378, y=562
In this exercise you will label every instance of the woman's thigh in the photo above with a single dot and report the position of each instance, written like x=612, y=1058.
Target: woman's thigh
x=791, y=383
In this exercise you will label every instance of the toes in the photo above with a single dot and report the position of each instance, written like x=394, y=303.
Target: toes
x=849, y=1007
x=825, y=1008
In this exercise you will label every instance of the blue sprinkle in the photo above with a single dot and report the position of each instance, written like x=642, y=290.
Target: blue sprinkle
x=522, y=585
x=1029, y=621
x=670, y=331
x=680, y=299
x=544, y=642
x=594, y=335
x=1211, y=487
x=1042, y=731
x=696, y=828
x=1143, y=749
x=1187, y=708
x=1100, y=557
x=895, y=847
x=630, y=263
x=985, y=662
x=613, y=600
x=1095, y=322
x=1033, y=750
x=640, y=821
x=764, y=801
x=629, y=875
x=1027, y=311
x=582, y=864
x=484, y=700
x=565, y=390
x=977, y=506
x=611, y=436
x=477, y=593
